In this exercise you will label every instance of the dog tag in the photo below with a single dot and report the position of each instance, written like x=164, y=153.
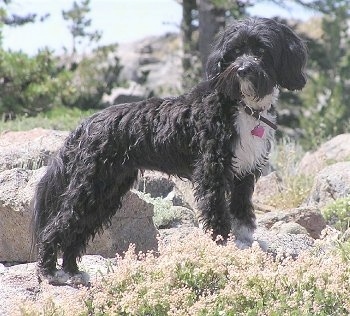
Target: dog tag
x=258, y=131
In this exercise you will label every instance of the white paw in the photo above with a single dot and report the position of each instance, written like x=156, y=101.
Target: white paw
x=81, y=278
x=58, y=278
x=243, y=233
x=62, y=278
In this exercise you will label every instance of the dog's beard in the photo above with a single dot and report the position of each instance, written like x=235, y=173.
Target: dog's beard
x=255, y=85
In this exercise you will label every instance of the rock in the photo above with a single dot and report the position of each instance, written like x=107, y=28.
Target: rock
x=20, y=289
x=154, y=62
x=309, y=218
x=133, y=93
x=184, y=188
x=178, y=216
x=177, y=199
x=288, y=228
x=16, y=192
x=331, y=183
x=29, y=149
x=156, y=184
x=132, y=224
x=283, y=244
x=335, y=150
x=266, y=187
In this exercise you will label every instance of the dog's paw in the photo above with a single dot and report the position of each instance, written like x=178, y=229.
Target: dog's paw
x=243, y=235
x=80, y=278
x=59, y=277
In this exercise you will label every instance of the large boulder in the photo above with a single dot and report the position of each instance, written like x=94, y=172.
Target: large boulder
x=132, y=224
x=331, y=183
x=29, y=149
x=22, y=156
x=309, y=218
x=335, y=150
x=154, y=62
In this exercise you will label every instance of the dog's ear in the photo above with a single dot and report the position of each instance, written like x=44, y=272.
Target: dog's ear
x=214, y=64
x=216, y=57
x=290, y=73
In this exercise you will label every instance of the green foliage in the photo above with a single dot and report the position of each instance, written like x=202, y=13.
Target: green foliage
x=29, y=85
x=337, y=214
x=93, y=77
x=164, y=214
x=79, y=23
x=32, y=85
x=326, y=97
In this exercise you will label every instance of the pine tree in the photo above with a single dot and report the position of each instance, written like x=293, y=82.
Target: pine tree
x=79, y=24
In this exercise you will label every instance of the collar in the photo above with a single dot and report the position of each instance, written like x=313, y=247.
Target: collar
x=257, y=114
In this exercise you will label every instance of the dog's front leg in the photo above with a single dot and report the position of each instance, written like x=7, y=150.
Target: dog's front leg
x=242, y=210
x=208, y=178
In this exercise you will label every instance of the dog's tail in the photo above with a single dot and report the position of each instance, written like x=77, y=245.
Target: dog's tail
x=45, y=206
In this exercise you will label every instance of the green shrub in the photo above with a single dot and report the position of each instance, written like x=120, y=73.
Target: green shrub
x=29, y=85
x=337, y=214
x=164, y=214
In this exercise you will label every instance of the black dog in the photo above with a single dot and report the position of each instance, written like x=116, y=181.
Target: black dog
x=218, y=135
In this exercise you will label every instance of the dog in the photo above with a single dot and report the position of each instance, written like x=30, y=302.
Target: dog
x=218, y=135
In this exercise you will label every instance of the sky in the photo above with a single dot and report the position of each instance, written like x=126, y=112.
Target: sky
x=120, y=21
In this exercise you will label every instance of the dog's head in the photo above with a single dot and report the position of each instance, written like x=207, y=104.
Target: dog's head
x=252, y=56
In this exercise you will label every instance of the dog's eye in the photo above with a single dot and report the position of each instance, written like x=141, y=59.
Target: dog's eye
x=237, y=51
x=260, y=51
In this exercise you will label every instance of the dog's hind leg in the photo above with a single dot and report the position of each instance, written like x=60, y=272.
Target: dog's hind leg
x=47, y=216
x=242, y=210
x=106, y=201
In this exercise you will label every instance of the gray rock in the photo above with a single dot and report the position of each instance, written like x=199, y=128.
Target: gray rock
x=29, y=149
x=266, y=187
x=309, y=218
x=177, y=199
x=335, y=150
x=331, y=183
x=20, y=288
x=288, y=228
x=154, y=62
x=156, y=184
x=132, y=224
x=283, y=244
x=133, y=93
x=16, y=192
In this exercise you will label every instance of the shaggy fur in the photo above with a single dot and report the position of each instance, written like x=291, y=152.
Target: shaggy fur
x=203, y=135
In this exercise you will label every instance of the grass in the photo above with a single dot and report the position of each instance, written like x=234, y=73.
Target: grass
x=295, y=185
x=59, y=118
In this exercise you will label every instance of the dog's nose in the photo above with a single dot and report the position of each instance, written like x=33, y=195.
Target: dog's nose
x=244, y=70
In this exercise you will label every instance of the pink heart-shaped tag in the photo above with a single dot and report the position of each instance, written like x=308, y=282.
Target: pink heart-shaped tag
x=258, y=131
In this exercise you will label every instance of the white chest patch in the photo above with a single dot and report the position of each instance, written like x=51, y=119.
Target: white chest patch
x=251, y=151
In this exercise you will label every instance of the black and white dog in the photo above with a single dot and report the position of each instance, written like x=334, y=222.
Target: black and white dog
x=218, y=135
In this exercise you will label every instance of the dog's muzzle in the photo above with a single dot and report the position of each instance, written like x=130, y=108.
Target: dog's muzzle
x=245, y=69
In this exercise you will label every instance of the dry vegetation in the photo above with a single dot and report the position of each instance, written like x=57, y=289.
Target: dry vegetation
x=196, y=277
